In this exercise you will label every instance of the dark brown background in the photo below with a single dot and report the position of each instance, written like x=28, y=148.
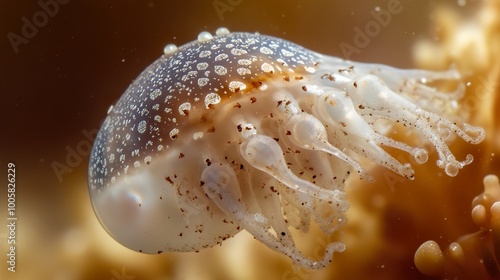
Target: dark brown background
x=64, y=79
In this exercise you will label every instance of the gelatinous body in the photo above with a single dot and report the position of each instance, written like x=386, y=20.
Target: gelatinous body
x=245, y=131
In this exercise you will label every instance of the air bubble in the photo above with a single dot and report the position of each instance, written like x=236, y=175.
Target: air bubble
x=452, y=169
x=169, y=49
x=204, y=36
x=222, y=31
x=421, y=156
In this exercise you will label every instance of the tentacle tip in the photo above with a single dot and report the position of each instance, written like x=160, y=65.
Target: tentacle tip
x=476, y=133
x=406, y=171
x=420, y=155
x=452, y=169
x=364, y=175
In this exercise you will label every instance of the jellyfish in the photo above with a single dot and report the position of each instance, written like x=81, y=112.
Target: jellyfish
x=242, y=131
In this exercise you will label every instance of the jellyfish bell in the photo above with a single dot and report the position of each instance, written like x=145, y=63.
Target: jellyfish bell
x=244, y=131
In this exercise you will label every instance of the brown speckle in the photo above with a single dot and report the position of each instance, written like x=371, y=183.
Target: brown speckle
x=239, y=127
x=169, y=180
x=237, y=105
x=181, y=155
x=253, y=99
x=208, y=162
x=210, y=130
x=256, y=84
x=304, y=88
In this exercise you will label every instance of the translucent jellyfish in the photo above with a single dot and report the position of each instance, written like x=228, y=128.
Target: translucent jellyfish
x=245, y=131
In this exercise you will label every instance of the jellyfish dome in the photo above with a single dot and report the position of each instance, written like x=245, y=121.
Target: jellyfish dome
x=241, y=131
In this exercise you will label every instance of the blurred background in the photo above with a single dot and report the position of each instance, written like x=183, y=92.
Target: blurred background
x=57, y=83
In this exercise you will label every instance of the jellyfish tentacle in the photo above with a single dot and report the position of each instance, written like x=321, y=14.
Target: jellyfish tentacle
x=263, y=153
x=336, y=109
x=373, y=94
x=307, y=132
x=266, y=196
x=221, y=185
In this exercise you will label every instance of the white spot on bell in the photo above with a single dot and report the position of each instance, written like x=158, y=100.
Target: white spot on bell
x=236, y=85
x=141, y=128
x=211, y=99
x=221, y=70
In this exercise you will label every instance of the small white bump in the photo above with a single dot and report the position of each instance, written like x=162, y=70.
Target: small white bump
x=211, y=99
x=221, y=56
x=202, y=82
x=238, y=51
x=205, y=54
x=222, y=31
x=244, y=62
x=202, y=66
x=266, y=50
x=282, y=62
x=141, y=128
x=137, y=164
x=154, y=94
x=111, y=158
x=243, y=71
x=173, y=133
x=267, y=68
x=158, y=118
x=147, y=159
x=221, y=70
x=160, y=147
x=286, y=52
x=169, y=49
x=204, y=36
x=236, y=85
x=197, y=135
x=184, y=108
x=110, y=109
x=310, y=69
